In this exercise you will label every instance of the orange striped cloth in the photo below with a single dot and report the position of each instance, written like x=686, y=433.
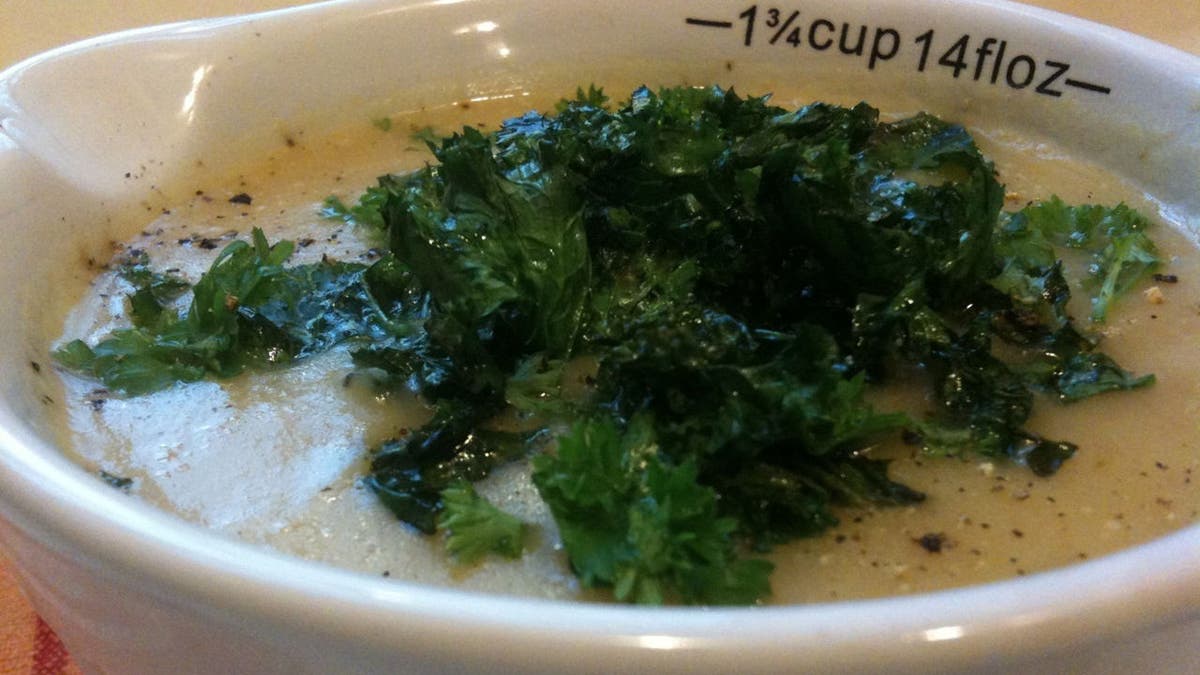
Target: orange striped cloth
x=27, y=645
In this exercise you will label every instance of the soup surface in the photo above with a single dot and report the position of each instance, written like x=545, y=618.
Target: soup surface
x=276, y=458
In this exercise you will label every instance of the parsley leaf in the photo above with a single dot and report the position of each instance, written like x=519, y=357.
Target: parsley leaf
x=643, y=527
x=366, y=211
x=1115, y=237
x=248, y=309
x=475, y=527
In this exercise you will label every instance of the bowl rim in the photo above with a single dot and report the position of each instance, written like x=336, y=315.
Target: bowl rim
x=39, y=490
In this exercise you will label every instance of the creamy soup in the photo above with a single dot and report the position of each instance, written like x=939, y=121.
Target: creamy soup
x=276, y=458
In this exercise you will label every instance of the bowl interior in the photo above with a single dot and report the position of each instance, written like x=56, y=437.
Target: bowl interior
x=92, y=135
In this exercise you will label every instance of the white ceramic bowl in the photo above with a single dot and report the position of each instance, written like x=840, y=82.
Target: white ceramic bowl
x=130, y=589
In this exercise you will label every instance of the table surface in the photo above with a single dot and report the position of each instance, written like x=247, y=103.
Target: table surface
x=27, y=27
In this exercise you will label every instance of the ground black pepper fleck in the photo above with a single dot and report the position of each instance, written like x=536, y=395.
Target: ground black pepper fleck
x=241, y=198
x=1167, y=278
x=932, y=541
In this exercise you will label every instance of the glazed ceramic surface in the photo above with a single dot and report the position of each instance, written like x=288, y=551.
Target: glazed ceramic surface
x=92, y=133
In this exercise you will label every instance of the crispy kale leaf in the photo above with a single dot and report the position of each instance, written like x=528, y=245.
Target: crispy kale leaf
x=411, y=474
x=772, y=419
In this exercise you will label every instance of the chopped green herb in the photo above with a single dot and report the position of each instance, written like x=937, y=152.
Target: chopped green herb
x=1121, y=252
x=425, y=135
x=635, y=523
x=248, y=309
x=366, y=212
x=153, y=291
x=119, y=482
x=729, y=276
x=475, y=527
